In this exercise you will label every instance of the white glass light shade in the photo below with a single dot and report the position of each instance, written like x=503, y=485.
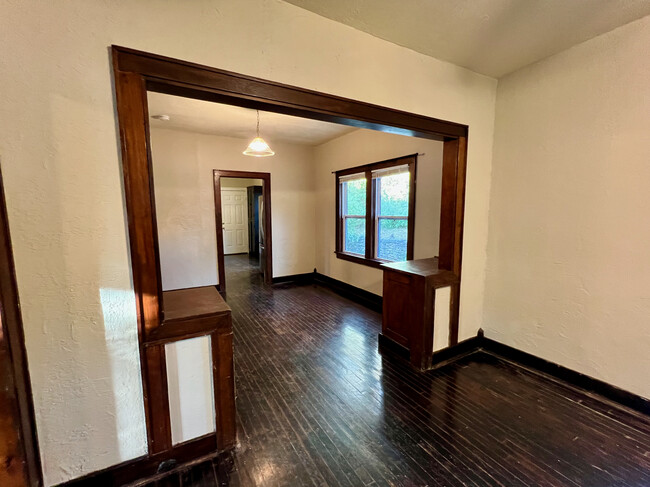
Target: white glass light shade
x=258, y=148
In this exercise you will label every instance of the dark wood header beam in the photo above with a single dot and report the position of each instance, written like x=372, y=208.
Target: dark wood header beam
x=136, y=72
x=173, y=76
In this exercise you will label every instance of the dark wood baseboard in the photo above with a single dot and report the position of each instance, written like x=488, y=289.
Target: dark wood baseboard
x=306, y=278
x=146, y=466
x=480, y=343
x=577, y=379
x=455, y=352
x=353, y=293
x=390, y=346
x=439, y=358
x=358, y=295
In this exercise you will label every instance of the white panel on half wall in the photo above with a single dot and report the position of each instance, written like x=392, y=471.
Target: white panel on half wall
x=441, y=318
x=191, y=398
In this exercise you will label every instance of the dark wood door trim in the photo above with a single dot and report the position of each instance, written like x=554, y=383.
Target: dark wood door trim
x=135, y=72
x=19, y=453
x=218, y=215
x=183, y=78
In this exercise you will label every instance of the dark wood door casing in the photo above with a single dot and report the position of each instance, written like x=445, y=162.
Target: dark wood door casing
x=19, y=456
x=135, y=72
x=218, y=215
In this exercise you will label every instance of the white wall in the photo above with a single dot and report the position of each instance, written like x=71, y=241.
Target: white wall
x=240, y=182
x=569, y=250
x=60, y=154
x=183, y=163
x=364, y=147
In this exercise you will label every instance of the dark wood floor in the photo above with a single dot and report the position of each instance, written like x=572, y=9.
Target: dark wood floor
x=318, y=405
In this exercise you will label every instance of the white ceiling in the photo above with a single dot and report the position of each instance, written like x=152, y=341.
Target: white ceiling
x=227, y=120
x=493, y=37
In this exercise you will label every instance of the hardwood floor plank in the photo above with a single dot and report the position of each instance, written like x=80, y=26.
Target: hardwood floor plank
x=319, y=406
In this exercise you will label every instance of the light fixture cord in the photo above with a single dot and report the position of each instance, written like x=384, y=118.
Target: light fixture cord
x=258, y=123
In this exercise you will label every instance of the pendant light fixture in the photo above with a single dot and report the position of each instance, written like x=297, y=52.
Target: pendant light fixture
x=258, y=146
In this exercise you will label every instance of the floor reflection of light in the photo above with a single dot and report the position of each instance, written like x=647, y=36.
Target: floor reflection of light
x=359, y=369
x=264, y=473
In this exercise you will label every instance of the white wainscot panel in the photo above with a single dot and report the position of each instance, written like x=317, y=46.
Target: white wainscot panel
x=191, y=398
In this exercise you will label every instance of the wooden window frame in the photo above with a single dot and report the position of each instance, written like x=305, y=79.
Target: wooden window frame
x=369, y=258
x=136, y=72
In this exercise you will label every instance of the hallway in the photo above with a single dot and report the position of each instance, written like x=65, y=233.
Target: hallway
x=318, y=405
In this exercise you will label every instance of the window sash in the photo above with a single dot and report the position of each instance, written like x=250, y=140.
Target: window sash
x=345, y=219
x=376, y=230
x=343, y=192
x=390, y=171
x=372, y=218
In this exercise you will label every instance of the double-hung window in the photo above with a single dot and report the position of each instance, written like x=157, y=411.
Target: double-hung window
x=375, y=211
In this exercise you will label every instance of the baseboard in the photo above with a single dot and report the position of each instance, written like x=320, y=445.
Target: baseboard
x=388, y=345
x=146, y=466
x=439, y=358
x=306, y=278
x=353, y=293
x=577, y=379
x=455, y=352
x=564, y=374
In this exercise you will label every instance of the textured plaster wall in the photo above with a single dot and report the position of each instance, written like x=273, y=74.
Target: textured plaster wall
x=184, y=189
x=183, y=163
x=569, y=250
x=363, y=147
x=60, y=155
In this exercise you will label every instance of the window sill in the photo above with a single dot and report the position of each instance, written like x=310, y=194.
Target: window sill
x=361, y=260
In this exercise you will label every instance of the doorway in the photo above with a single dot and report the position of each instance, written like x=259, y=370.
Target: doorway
x=136, y=73
x=242, y=203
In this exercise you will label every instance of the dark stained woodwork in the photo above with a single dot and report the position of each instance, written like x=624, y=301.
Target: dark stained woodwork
x=409, y=304
x=195, y=302
x=19, y=457
x=253, y=193
x=190, y=313
x=223, y=377
x=369, y=258
x=180, y=78
x=413, y=176
x=371, y=213
x=133, y=119
x=319, y=406
x=448, y=203
x=157, y=399
x=135, y=72
x=146, y=466
x=576, y=379
x=217, y=174
x=131, y=102
x=374, y=166
x=361, y=296
x=452, y=217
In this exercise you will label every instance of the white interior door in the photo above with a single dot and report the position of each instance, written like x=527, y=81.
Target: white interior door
x=234, y=214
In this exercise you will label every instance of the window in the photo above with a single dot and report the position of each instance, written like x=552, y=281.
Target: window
x=375, y=211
